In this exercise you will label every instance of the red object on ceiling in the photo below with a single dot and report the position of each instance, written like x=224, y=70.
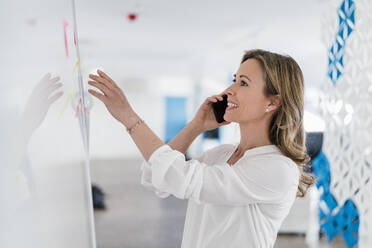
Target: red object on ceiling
x=132, y=16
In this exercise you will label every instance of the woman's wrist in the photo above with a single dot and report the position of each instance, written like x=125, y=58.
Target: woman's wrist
x=129, y=118
x=196, y=127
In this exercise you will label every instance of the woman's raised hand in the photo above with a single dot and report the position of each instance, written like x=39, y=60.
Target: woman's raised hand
x=113, y=97
x=205, y=118
x=42, y=97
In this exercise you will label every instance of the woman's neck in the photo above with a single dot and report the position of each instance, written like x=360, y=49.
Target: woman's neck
x=253, y=135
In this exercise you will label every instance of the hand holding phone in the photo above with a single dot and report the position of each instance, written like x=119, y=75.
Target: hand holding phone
x=219, y=109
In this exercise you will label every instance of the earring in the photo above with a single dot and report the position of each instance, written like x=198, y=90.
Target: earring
x=267, y=110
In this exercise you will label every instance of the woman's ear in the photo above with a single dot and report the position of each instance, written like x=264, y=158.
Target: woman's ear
x=275, y=102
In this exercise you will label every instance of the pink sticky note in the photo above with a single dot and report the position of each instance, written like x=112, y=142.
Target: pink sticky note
x=77, y=109
x=74, y=35
x=65, y=24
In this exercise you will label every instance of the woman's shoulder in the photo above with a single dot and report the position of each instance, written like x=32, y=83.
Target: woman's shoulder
x=273, y=169
x=270, y=154
x=273, y=161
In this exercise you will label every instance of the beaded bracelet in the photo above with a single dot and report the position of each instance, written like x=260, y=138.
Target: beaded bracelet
x=130, y=130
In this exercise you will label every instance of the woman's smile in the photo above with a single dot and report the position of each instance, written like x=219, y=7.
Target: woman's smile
x=231, y=106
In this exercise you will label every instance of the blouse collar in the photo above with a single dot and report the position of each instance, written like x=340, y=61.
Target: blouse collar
x=258, y=150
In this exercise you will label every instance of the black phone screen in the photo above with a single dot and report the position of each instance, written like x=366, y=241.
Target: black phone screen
x=219, y=109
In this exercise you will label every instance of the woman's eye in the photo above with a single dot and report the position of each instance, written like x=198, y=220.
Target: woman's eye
x=242, y=82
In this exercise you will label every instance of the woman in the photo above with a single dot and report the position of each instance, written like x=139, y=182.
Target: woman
x=240, y=193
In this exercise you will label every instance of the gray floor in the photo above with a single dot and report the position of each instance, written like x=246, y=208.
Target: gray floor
x=136, y=218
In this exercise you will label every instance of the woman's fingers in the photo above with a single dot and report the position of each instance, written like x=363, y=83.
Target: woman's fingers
x=105, y=76
x=52, y=88
x=55, y=97
x=212, y=99
x=100, y=86
x=215, y=98
x=46, y=77
x=44, y=82
x=220, y=96
x=49, y=83
x=100, y=80
x=98, y=95
x=54, y=80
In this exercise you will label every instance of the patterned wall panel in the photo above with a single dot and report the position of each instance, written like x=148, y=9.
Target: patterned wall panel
x=345, y=164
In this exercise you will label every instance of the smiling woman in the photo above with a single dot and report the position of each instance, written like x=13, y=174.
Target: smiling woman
x=276, y=78
x=240, y=193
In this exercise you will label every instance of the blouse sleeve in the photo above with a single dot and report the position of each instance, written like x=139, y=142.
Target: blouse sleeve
x=166, y=172
x=146, y=177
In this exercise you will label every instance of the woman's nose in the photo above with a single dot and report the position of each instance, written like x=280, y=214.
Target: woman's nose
x=229, y=91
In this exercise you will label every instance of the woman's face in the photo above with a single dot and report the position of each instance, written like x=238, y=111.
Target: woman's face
x=247, y=92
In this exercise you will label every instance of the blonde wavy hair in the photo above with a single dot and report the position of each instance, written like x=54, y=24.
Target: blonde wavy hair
x=283, y=77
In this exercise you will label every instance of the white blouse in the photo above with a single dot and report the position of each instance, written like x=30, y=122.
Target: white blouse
x=229, y=206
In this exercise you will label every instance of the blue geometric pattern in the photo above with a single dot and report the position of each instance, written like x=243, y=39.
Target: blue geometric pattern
x=320, y=166
x=346, y=16
x=334, y=220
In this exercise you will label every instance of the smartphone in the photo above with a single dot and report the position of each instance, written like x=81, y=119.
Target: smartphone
x=219, y=109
